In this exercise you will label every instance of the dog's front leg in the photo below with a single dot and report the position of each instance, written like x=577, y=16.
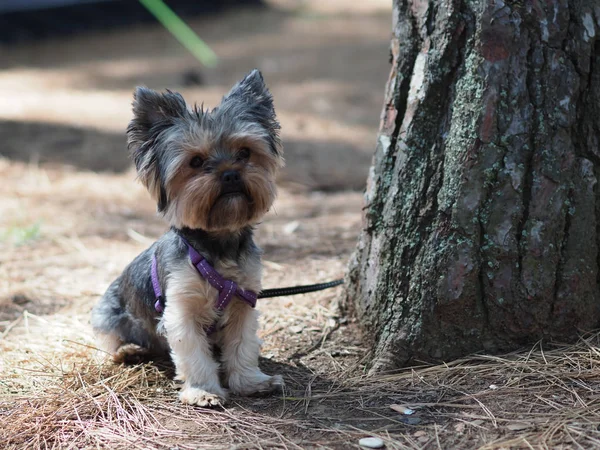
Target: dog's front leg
x=241, y=348
x=188, y=312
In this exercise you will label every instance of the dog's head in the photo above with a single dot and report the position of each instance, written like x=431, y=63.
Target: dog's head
x=213, y=170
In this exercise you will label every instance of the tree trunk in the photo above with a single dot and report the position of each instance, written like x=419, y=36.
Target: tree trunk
x=481, y=218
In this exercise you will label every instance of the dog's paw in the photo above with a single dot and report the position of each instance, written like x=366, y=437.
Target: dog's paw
x=131, y=354
x=257, y=385
x=197, y=396
x=275, y=384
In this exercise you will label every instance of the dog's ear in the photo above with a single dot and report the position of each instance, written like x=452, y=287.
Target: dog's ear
x=154, y=114
x=252, y=88
x=251, y=100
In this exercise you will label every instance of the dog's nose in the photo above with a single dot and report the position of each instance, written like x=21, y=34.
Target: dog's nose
x=231, y=181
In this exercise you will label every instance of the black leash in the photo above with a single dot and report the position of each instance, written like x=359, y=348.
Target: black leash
x=279, y=292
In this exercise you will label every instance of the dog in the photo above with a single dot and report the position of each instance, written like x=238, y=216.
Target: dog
x=212, y=174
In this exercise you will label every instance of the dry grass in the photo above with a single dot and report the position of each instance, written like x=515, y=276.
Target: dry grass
x=63, y=396
x=103, y=406
x=534, y=399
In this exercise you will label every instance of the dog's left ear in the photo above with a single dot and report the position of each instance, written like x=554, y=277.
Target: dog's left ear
x=252, y=88
x=251, y=99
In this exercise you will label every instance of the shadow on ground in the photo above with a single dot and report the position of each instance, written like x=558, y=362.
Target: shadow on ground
x=83, y=148
x=315, y=404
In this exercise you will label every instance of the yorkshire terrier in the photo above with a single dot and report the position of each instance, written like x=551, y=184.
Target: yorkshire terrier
x=212, y=174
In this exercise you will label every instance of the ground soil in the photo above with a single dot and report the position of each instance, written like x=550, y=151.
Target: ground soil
x=72, y=216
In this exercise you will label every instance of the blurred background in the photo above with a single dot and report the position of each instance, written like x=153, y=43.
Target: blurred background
x=68, y=68
x=72, y=215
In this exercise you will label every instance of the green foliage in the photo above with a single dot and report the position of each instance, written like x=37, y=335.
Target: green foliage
x=21, y=234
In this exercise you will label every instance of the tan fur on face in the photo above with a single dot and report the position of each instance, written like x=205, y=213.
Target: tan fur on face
x=194, y=193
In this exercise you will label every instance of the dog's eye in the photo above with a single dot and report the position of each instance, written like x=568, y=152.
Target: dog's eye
x=196, y=162
x=243, y=154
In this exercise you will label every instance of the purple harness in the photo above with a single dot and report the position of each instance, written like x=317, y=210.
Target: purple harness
x=227, y=288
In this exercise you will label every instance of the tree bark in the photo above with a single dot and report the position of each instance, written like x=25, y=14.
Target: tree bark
x=482, y=210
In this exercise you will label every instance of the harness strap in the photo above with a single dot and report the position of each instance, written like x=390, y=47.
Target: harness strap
x=226, y=288
x=159, y=305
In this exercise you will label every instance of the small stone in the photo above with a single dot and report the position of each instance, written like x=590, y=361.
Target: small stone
x=371, y=442
x=402, y=409
x=192, y=78
x=410, y=420
x=296, y=329
x=290, y=227
x=20, y=299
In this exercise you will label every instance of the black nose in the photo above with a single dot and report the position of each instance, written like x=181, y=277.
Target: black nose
x=231, y=181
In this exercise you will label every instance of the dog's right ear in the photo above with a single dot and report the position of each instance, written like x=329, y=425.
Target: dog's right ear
x=153, y=112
